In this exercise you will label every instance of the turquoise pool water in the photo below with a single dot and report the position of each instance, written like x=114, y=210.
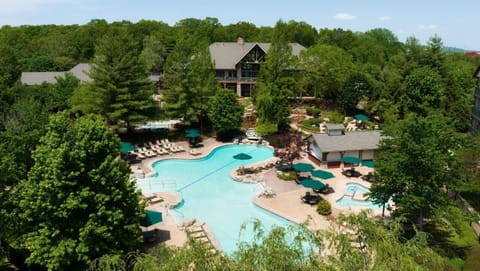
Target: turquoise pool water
x=210, y=194
x=348, y=201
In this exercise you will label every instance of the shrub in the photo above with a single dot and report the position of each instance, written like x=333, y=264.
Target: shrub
x=310, y=124
x=472, y=262
x=324, y=207
x=288, y=175
x=313, y=111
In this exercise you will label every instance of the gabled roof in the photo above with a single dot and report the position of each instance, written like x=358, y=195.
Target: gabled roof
x=80, y=71
x=228, y=54
x=36, y=78
x=350, y=141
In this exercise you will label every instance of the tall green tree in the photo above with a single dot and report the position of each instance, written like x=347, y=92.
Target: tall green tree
x=189, y=80
x=276, y=82
x=121, y=90
x=224, y=110
x=77, y=202
x=423, y=91
x=415, y=164
x=325, y=70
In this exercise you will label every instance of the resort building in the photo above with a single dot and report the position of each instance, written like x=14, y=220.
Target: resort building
x=329, y=148
x=237, y=63
x=80, y=71
x=476, y=104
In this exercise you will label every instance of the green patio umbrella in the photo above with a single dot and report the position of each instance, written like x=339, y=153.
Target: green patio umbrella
x=361, y=117
x=322, y=174
x=351, y=160
x=192, y=133
x=151, y=217
x=309, y=183
x=126, y=147
x=369, y=164
x=302, y=167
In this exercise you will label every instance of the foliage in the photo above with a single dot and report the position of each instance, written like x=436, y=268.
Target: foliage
x=310, y=124
x=313, y=111
x=224, y=110
x=357, y=242
x=287, y=175
x=121, y=90
x=416, y=162
x=276, y=82
x=325, y=70
x=78, y=202
x=189, y=80
x=324, y=207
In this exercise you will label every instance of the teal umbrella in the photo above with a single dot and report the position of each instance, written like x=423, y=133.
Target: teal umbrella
x=192, y=133
x=351, y=160
x=369, y=164
x=361, y=117
x=151, y=217
x=309, y=183
x=322, y=174
x=302, y=167
x=126, y=147
x=242, y=156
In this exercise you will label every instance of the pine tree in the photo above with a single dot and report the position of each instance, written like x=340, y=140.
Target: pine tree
x=121, y=90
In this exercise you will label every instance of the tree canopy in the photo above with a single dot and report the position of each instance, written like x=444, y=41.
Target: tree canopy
x=121, y=90
x=77, y=202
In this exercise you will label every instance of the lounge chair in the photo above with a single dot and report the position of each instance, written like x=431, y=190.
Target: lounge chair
x=156, y=199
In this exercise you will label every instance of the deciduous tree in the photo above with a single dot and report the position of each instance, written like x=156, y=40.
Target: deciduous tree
x=78, y=202
x=224, y=110
x=415, y=164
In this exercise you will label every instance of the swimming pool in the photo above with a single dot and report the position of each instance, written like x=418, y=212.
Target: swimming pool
x=210, y=194
x=347, y=200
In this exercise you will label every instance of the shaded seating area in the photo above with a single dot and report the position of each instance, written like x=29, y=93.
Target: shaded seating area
x=311, y=199
x=370, y=177
x=351, y=173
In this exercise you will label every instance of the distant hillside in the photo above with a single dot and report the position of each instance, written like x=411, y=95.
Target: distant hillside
x=454, y=50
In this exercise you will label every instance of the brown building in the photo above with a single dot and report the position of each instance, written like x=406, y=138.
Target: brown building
x=237, y=63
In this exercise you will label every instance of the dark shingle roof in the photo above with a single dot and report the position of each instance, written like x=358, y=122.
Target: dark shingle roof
x=227, y=54
x=350, y=141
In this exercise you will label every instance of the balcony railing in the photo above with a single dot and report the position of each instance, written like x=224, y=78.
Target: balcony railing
x=248, y=79
x=226, y=78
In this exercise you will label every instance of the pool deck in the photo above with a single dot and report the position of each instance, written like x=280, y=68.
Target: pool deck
x=286, y=201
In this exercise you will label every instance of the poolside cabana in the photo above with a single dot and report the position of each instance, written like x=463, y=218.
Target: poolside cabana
x=330, y=149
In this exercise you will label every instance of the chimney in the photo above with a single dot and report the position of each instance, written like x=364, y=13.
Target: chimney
x=240, y=40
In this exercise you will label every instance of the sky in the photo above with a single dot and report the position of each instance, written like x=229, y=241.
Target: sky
x=453, y=21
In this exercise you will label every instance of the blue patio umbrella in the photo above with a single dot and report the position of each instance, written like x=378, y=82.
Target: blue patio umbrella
x=322, y=174
x=302, y=167
x=361, y=117
x=351, y=160
x=309, y=183
x=369, y=164
x=150, y=218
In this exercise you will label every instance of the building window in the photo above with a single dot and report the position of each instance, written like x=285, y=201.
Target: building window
x=246, y=90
